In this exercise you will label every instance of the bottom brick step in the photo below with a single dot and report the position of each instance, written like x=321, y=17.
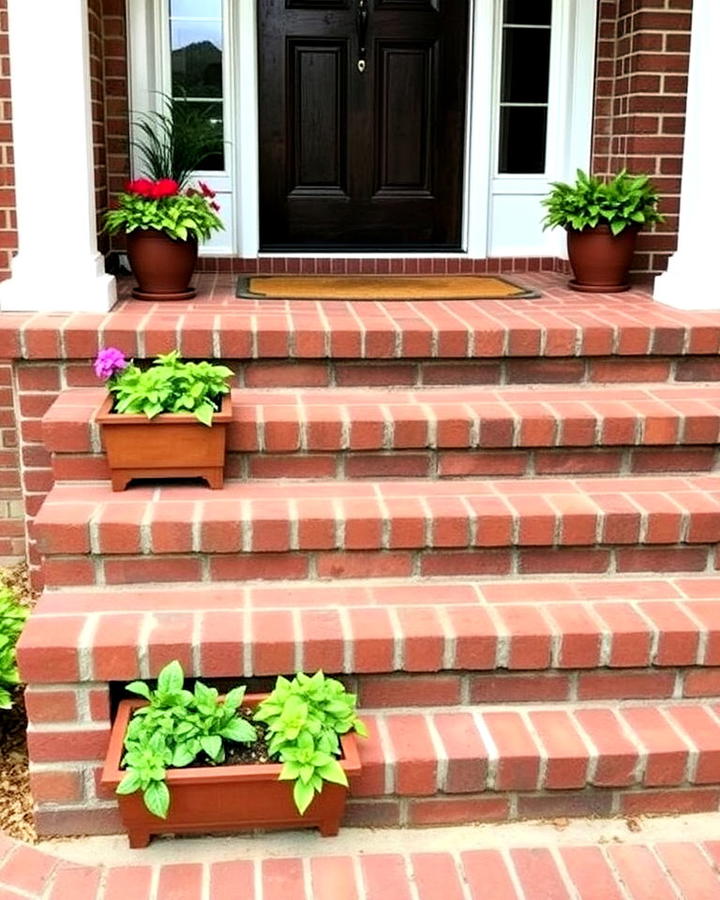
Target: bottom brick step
x=440, y=767
x=458, y=766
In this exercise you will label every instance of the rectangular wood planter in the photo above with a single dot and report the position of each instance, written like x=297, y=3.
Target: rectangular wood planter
x=225, y=798
x=172, y=445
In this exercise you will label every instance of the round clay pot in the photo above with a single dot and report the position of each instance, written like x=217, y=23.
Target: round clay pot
x=601, y=260
x=162, y=266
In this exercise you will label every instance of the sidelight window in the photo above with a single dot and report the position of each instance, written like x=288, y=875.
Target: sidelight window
x=524, y=83
x=196, y=52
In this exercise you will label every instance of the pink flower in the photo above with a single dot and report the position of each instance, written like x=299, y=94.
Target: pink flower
x=109, y=362
x=215, y=206
x=206, y=191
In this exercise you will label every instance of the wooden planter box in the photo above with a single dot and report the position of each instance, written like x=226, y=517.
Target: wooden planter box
x=225, y=798
x=172, y=445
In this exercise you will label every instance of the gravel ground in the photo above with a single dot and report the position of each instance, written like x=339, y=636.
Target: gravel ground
x=16, y=818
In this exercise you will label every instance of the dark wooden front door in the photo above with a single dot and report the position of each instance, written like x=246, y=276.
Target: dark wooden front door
x=362, y=150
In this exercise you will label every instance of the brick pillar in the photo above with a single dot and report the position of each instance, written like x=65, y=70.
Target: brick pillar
x=641, y=88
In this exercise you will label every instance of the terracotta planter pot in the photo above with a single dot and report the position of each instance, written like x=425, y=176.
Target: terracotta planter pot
x=163, y=266
x=225, y=798
x=172, y=445
x=600, y=260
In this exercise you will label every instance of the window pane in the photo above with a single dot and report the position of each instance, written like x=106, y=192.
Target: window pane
x=209, y=9
x=197, y=59
x=526, y=65
x=523, y=131
x=528, y=12
x=215, y=162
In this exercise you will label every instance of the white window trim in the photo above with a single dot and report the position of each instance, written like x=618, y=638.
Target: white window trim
x=572, y=68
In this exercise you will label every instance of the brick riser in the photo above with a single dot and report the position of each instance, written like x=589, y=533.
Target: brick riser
x=69, y=571
x=433, y=464
x=453, y=370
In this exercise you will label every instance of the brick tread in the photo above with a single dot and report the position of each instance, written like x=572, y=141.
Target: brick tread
x=680, y=868
x=515, y=625
x=629, y=511
x=543, y=747
x=561, y=324
x=315, y=420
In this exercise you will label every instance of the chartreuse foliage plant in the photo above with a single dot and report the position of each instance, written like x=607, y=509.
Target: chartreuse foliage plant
x=304, y=718
x=168, y=386
x=623, y=201
x=12, y=619
x=176, y=727
x=162, y=206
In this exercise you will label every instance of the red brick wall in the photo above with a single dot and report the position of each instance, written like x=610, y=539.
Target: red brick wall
x=109, y=90
x=640, y=100
x=11, y=506
x=8, y=235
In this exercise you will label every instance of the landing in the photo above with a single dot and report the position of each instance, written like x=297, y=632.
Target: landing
x=559, y=323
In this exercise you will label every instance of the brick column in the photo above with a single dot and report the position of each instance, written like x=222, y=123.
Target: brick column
x=690, y=282
x=58, y=266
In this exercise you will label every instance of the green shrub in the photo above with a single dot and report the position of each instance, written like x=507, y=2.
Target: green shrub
x=12, y=619
x=624, y=201
x=169, y=386
x=174, y=728
x=304, y=718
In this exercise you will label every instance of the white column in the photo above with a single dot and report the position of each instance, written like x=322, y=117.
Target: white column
x=58, y=267
x=690, y=281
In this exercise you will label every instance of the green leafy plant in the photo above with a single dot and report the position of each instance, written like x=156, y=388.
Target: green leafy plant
x=174, y=140
x=304, y=718
x=174, y=729
x=623, y=201
x=169, y=385
x=12, y=619
x=162, y=206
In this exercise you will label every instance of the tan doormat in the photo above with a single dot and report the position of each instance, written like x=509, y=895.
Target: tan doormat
x=380, y=287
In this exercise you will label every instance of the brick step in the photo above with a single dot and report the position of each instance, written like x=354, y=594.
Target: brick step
x=500, y=763
x=515, y=639
x=492, y=763
x=443, y=432
x=325, y=530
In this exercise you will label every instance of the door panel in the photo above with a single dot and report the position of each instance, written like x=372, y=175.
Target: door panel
x=404, y=139
x=317, y=106
x=362, y=159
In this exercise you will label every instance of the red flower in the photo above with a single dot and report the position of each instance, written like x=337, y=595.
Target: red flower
x=166, y=187
x=141, y=186
x=206, y=191
x=215, y=206
x=153, y=190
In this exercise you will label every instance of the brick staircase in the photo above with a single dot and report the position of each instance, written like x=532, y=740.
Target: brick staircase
x=520, y=581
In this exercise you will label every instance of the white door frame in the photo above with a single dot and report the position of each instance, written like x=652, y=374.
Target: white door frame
x=572, y=74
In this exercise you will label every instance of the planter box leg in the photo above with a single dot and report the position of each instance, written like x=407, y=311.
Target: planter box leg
x=120, y=480
x=214, y=478
x=138, y=839
x=329, y=827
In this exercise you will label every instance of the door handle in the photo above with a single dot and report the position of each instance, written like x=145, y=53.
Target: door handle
x=361, y=25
